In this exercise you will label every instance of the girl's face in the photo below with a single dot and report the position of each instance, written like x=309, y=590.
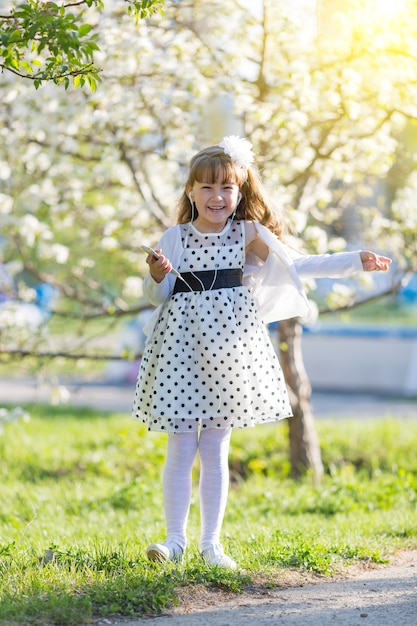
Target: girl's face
x=215, y=203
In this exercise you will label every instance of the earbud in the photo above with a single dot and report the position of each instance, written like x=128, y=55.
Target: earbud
x=191, y=196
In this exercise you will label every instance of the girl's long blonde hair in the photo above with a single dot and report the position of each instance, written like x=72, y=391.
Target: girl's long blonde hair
x=207, y=165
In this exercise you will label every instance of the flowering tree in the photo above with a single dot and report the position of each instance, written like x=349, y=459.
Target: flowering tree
x=86, y=178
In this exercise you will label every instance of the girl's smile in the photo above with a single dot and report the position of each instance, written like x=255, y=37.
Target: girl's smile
x=215, y=203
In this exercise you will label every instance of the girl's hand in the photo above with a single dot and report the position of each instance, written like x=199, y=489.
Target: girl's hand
x=158, y=267
x=372, y=262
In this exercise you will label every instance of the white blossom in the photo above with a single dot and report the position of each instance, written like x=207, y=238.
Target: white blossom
x=132, y=287
x=6, y=203
x=109, y=243
x=55, y=251
x=105, y=211
x=5, y=170
x=32, y=229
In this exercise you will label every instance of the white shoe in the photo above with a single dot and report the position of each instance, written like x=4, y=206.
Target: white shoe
x=214, y=555
x=163, y=552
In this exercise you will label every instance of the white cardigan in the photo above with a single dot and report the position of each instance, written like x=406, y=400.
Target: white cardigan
x=275, y=285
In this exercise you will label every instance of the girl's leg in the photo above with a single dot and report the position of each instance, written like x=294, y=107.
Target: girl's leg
x=177, y=482
x=214, y=483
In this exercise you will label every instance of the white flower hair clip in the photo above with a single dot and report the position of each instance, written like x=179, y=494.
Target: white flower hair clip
x=238, y=149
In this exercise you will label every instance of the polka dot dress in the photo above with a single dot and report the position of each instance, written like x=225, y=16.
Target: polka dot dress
x=209, y=362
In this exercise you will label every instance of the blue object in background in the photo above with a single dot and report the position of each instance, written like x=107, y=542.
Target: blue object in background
x=408, y=293
x=46, y=295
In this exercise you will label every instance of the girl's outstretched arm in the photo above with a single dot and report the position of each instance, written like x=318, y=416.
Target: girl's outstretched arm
x=336, y=265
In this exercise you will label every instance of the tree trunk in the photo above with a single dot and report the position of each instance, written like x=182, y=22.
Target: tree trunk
x=304, y=445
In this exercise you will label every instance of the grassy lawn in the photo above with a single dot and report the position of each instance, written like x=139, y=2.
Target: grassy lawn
x=81, y=498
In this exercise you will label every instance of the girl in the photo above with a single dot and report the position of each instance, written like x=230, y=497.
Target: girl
x=208, y=365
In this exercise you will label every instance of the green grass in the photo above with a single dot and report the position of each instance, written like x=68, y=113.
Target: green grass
x=81, y=497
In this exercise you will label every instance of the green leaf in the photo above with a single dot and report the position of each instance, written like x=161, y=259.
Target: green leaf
x=84, y=30
x=92, y=83
x=16, y=36
x=26, y=66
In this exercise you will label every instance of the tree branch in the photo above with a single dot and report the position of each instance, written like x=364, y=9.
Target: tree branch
x=143, y=187
x=39, y=75
x=22, y=354
x=392, y=290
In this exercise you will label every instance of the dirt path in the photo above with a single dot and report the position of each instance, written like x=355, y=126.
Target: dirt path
x=372, y=595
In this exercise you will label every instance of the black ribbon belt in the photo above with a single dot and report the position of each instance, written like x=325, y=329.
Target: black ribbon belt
x=211, y=279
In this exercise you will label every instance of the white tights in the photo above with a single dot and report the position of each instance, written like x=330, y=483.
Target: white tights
x=213, y=445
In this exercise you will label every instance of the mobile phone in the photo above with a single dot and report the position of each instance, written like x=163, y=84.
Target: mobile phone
x=150, y=250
